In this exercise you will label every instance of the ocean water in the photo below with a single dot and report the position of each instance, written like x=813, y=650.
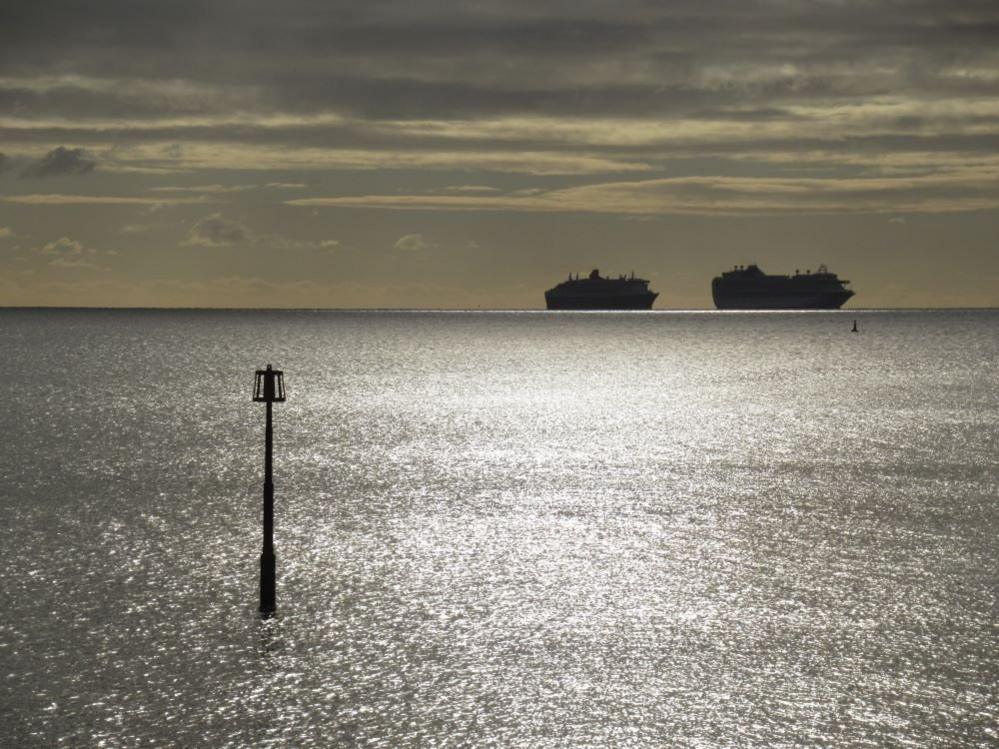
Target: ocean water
x=502, y=529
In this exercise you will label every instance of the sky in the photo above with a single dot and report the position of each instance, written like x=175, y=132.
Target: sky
x=470, y=154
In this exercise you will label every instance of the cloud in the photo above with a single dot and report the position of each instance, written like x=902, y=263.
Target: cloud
x=706, y=88
x=5, y=232
x=412, y=243
x=217, y=231
x=134, y=228
x=61, y=161
x=59, y=199
x=634, y=109
x=470, y=189
x=466, y=59
x=203, y=188
x=67, y=253
x=723, y=195
x=4, y=163
x=869, y=131
x=122, y=96
x=63, y=247
x=287, y=149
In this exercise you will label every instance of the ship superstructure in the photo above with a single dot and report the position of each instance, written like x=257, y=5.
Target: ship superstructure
x=748, y=287
x=598, y=293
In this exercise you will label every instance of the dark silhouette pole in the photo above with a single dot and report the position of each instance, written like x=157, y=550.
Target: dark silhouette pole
x=268, y=388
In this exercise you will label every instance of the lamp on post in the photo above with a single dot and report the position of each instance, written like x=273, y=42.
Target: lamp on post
x=268, y=388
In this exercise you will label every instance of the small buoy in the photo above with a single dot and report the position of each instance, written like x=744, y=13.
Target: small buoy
x=854, y=327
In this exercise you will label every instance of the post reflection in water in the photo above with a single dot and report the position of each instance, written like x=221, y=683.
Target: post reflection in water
x=505, y=529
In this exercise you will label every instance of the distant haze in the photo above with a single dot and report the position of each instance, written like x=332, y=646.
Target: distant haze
x=467, y=154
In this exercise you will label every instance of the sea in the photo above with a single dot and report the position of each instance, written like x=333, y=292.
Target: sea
x=501, y=529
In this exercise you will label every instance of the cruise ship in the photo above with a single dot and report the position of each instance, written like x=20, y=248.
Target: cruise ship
x=748, y=287
x=598, y=293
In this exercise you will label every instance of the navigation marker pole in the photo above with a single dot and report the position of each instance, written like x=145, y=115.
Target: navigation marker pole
x=268, y=388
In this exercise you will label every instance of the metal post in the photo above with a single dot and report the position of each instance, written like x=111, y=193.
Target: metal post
x=267, y=562
x=268, y=387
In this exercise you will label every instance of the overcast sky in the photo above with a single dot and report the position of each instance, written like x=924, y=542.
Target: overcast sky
x=466, y=154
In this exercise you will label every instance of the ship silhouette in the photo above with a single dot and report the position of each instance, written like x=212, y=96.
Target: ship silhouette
x=598, y=293
x=748, y=287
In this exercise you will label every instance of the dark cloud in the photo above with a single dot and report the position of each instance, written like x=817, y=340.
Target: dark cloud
x=454, y=59
x=4, y=163
x=135, y=101
x=61, y=161
x=762, y=114
x=392, y=84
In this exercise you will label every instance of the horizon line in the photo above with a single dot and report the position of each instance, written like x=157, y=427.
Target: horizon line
x=474, y=309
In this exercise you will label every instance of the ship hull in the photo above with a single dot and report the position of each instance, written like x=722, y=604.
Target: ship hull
x=831, y=300
x=630, y=302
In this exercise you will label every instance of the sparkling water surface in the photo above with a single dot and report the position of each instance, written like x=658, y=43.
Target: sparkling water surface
x=502, y=529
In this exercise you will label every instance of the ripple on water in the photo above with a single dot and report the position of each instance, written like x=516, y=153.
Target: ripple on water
x=507, y=530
